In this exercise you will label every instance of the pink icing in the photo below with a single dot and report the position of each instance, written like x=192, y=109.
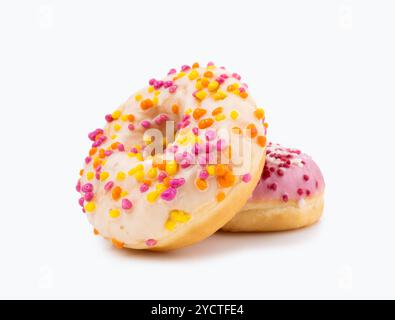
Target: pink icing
x=288, y=174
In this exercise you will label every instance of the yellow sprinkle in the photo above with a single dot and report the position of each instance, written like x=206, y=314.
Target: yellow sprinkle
x=171, y=167
x=220, y=95
x=160, y=187
x=180, y=74
x=234, y=114
x=199, y=85
x=117, y=127
x=114, y=136
x=114, y=213
x=152, y=196
x=138, y=97
x=116, y=114
x=131, y=154
x=124, y=194
x=211, y=170
x=213, y=85
x=139, y=157
x=170, y=225
x=90, y=175
x=188, y=111
x=152, y=173
x=90, y=207
x=156, y=93
x=124, y=117
x=180, y=216
x=104, y=175
x=201, y=94
x=121, y=176
x=193, y=75
x=139, y=176
x=151, y=89
x=155, y=100
x=137, y=168
x=220, y=117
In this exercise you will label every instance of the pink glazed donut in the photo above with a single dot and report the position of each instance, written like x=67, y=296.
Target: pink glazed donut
x=290, y=194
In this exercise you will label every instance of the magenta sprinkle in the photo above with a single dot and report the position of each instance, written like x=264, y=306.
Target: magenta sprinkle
x=195, y=131
x=285, y=197
x=88, y=196
x=169, y=194
x=246, y=178
x=108, y=118
x=173, y=89
x=108, y=153
x=78, y=186
x=151, y=242
x=126, y=204
x=203, y=174
x=88, y=187
x=306, y=177
x=161, y=176
x=81, y=201
x=108, y=186
x=131, y=126
x=121, y=147
x=177, y=182
x=167, y=84
x=143, y=187
x=145, y=124
x=185, y=68
x=171, y=71
x=300, y=191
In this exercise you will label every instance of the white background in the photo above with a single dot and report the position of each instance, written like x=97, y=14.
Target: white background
x=323, y=70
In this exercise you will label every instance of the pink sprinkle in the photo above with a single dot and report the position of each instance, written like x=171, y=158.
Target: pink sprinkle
x=195, y=131
x=158, y=84
x=143, y=187
x=134, y=150
x=306, y=177
x=236, y=76
x=131, y=126
x=221, y=145
x=169, y=194
x=151, y=242
x=203, y=174
x=108, y=186
x=161, y=176
x=171, y=71
x=185, y=68
x=173, y=88
x=108, y=153
x=81, y=201
x=97, y=175
x=145, y=124
x=176, y=183
x=108, y=118
x=285, y=197
x=210, y=63
x=246, y=178
x=224, y=76
x=78, y=186
x=88, y=159
x=121, y=147
x=151, y=82
x=167, y=84
x=126, y=204
x=88, y=196
x=87, y=187
x=300, y=191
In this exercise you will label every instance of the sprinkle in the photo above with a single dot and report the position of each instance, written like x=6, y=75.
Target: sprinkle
x=108, y=186
x=152, y=196
x=171, y=167
x=201, y=184
x=162, y=176
x=88, y=196
x=243, y=94
x=116, y=193
x=116, y=114
x=300, y=191
x=208, y=74
x=145, y=124
x=211, y=170
x=114, y=213
x=193, y=75
x=117, y=244
x=81, y=201
x=227, y=180
x=203, y=174
x=198, y=113
x=246, y=178
x=285, y=197
x=130, y=126
x=139, y=176
x=252, y=130
x=220, y=196
x=261, y=140
x=95, y=232
x=170, y=225
x=234, y=114
x=220, y=117
x=200, y=94
x=117, y=127
x=151, y=242
x=121, y=176
x=90, y=175
x=205, y=123
x=126, y=204
x=220, y=95
x=176, y=183
x=138, y=97
x=179, y=216
x=146, y=104
x=144, y=187
x=259, y=113
x=169, y=194
x=306, y=177
x=173, y=89
x=217, y=110
x=90, y=207
x=87, y=187
x=213, y=86
x=152, y=173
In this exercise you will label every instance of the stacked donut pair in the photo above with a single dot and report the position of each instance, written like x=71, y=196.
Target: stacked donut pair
x=188, y=155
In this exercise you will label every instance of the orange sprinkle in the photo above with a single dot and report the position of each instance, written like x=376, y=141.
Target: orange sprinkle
x=231, y=88
x=221, y=170
x=266, y=125
x=198, y=113
x=92, y=151
x=244, y=94
x=116, y=192
x=204, y=82
x=259, y=114
x=236, y=130
x=96, y=163
x=261, y=140
x=195, y=65
x=227, y=180
x=117, y=244
x=208, y=74
x=201, y=184
x=252, y=131
x=146, y=104
x=114, y=145
x=102, y=153
x=205, y=123
x=166, y=181
x=95, y=231
x=175, y=108
x=217, y=111
x=131, y=117
x=147, y=182
x=81, y=172
x=220, y=196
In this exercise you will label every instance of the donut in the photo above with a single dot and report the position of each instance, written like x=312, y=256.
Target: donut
x=289, y=195
x=165, y=170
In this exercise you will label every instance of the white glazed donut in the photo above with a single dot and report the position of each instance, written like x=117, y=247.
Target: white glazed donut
x=161, y=200
x=290, y=194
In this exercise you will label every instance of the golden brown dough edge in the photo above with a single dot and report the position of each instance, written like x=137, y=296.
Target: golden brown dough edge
x=262, y=216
